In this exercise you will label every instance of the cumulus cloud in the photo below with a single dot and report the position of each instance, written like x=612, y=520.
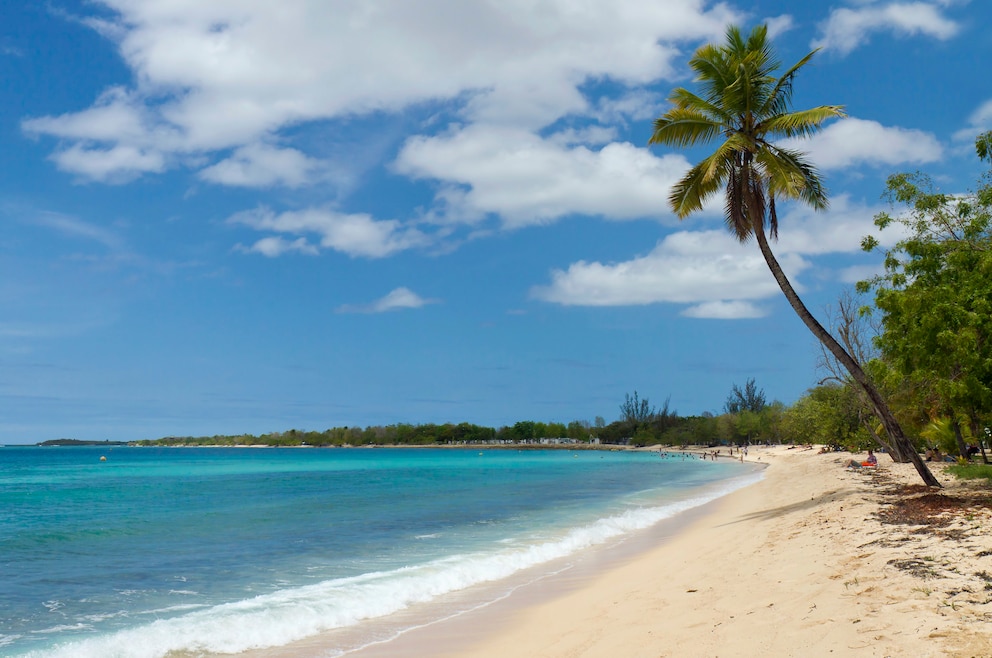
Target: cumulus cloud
x=397, y=299
x=352, y=234
x=779, y=25
x=846, y=29
x=262, y=165
x=850, y=142
x=527, y=180
x=637, y=105
x=688, y=267
x=116, y=164
x=711, y=273
x=217, y=77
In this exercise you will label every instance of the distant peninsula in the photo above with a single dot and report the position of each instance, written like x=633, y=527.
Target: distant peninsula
x=77, y=442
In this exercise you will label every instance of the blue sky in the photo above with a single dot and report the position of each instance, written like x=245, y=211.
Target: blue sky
x=248, y=216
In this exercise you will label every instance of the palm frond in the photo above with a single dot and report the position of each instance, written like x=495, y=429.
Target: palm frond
x=745, y=199
x=688, y=195
x=684, y=127
x=725, y=157
x=781, y=94
x=772, y=217
x=712, y=72
x=754, y=194
x=789, y=175
x=801, y=123
x=685, y=99
x=735, y=209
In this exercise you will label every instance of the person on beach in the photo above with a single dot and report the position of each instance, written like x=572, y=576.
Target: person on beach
x=870, y=461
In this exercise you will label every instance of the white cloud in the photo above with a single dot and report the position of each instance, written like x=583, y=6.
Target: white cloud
x=846, y=29
x=838, y=230
x=724, y=311
x=848, y=142
x=638, y=105
x=684, y=268
x=396, y=299
x=711, y=272
x=591, y=135
x=982, y=117
x=274, y=246
x=527, y=180
x=352, y=234
x=979, y=121
x=117, y=164
x=261, y=165
x=779, y=25
x=116, y=115
x=855, y=273
x=224, y=75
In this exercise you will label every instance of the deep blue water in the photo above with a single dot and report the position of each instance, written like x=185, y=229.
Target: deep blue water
x=221, y=550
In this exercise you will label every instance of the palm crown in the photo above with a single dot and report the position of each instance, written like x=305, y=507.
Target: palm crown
x=741, y=100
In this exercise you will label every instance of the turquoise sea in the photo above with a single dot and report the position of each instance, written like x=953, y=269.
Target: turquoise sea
x=222, y=550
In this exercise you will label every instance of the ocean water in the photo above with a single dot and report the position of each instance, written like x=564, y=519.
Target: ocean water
x=193, y=551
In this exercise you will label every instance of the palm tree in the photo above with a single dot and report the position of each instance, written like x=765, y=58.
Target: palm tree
x=744, y=104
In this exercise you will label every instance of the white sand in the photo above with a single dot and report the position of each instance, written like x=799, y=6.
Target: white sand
x=796, y=565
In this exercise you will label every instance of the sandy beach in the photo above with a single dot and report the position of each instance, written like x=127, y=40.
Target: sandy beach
x=814, y=560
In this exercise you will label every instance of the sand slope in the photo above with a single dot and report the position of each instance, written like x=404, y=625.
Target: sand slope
x=797, y=565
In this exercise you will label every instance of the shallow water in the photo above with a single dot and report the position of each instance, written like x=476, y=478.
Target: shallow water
x=222, y=550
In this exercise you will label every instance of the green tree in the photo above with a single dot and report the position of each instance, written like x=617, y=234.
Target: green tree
x=750, y=398
x=743, y=103
x=578, y=430
x=935, y=297
x=635, y=410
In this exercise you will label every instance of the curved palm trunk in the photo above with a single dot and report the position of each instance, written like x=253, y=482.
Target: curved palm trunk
x=892, y=428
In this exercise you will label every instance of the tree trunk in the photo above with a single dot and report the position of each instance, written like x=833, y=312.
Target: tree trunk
x=891, y=449
x=959, y=439
x=889, y=422
x=977, y=433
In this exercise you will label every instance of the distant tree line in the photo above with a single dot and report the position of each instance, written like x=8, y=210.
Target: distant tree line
x=640, y=424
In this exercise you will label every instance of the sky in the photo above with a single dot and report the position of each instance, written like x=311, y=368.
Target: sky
x=245, y=216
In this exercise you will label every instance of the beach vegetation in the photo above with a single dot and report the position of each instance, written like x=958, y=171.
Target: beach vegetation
x=971, y=471
x=934, y=298
x=829, y=414
x=744, y=105
x=857, y=330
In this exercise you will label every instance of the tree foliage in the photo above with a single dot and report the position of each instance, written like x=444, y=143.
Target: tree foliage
x=635, y=410
x=935, y=297
x=750, y=398
x=828, y=414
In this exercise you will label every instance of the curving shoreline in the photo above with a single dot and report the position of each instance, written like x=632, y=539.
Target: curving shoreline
x=799, y=564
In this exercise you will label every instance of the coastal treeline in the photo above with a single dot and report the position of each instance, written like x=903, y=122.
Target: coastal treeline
x=640, y=423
